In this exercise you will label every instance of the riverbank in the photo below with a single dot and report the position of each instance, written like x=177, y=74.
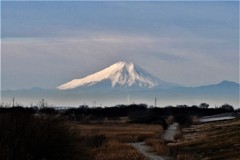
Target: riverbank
x=212, y=141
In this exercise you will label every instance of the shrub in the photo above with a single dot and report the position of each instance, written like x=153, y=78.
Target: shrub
x=115, y=150
x=183, y=119
x=24, y=136
x=169, y=120
x=178, y=135
x=97, y=141
x=195, y=119
x=158, y=146
x=185, y=156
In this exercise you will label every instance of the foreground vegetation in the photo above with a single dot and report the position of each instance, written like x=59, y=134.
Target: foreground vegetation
x=105, y=133
x=32, y=134
x=28, y=136
x=116, y=138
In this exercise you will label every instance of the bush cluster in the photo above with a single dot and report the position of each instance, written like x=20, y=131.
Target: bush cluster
x=25, y=135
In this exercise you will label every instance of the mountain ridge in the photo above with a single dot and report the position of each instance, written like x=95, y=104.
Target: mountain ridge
x=125, y=74
x=125, y=82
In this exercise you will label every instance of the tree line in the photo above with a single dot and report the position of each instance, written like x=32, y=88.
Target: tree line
x=139, y=113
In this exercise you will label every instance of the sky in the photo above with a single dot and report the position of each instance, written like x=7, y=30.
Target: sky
x=48, y=43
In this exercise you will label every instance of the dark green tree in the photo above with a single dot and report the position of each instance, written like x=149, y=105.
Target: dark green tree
x=204, y=105
x=227, y=107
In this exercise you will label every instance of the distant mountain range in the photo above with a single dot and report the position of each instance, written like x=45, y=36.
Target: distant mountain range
x=125, y=83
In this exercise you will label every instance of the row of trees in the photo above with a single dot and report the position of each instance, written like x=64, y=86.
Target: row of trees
x=136, y=113
x=43, y=104
x=128, y=110
x=206, y=106
x=140, y=113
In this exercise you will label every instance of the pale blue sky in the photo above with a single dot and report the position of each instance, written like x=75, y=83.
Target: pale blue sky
x=45, y=44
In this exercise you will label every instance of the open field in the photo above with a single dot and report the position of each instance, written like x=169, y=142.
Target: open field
x=209, y=141
x=124, y=132
x=111, y=141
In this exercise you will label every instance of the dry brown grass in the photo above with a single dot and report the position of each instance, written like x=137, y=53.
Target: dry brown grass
x=213, y=141
x=123, y=132
x=158, y=145
x=185, y=156
x=178, y=134
x=169, y=120
x=195, y=119
x=115, y=150
x=118, y=135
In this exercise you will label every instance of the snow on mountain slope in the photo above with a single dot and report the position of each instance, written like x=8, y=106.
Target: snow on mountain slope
x=122, y=74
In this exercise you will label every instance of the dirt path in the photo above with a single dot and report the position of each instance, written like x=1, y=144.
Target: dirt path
x=168, y=135
x=147, y=151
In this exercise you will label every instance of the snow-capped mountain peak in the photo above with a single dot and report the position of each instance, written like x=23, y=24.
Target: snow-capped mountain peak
x=124, y=74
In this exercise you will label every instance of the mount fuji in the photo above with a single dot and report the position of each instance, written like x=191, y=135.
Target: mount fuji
x=119, y=75
x=125, y=83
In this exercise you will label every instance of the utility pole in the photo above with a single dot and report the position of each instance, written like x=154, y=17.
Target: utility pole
x=155, y=102
x=42, y=105
x=94, y=103
x=13, y=102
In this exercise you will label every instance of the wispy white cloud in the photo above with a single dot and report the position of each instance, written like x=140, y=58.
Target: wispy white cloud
x=51, y=61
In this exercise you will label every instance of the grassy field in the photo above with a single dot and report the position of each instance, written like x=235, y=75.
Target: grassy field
x=124, y=132
x=110, y=141
x=209, y=141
